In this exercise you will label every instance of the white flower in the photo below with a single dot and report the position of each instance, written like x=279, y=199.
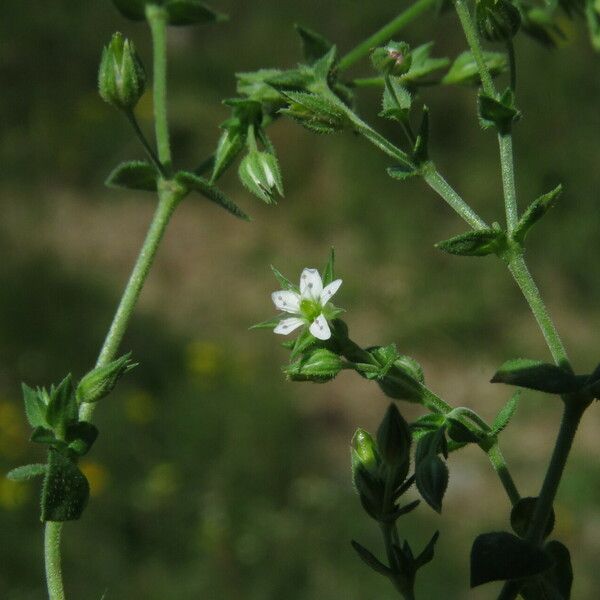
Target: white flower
x=309, y=307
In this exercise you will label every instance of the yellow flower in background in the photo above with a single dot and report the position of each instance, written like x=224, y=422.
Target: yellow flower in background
x=13, y=437
x=96, y=474
x=140, y=407
x=203, y=358
x=12, y=494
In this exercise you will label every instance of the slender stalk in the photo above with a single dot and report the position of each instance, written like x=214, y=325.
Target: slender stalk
x=157, y=19
x=142, y=138
x=508, y=180
x=53, y=566
x=499, y=464
x=385, y=33
x=512, y=62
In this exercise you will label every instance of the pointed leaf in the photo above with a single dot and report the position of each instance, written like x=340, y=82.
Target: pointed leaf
x=537, y=209
x=62, y=408
x=536, y=375
x=191, y=12
x=480, y=242
x=561, y=575
x=329, y=270
x=314, y=45
x=498, y=112
x=26, y=472
x=506, y=413
x=284, y=282
x=133, y=175
x=35, y=408
x=427, y=555
x=370, y=560
x=81, y=437
x=268, y=324
x=41, y=435
x=464, y=69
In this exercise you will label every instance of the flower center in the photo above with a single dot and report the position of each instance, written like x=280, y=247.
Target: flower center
x=310, y=309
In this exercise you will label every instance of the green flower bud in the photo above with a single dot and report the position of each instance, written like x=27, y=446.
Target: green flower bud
x=393, y=59
x=230, y=145
x=394, y=440
x=121, y=77
x=99, y=382
x=364, y=452
x=365, y=473
x=320, y=366
x=314, y=112
x=260, y=173
x=497, y=20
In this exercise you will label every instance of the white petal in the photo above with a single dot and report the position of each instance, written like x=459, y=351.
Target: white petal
x=320, y=328
x=329, y=290
x=288, y=325
x=286, y=301
x=311, y=284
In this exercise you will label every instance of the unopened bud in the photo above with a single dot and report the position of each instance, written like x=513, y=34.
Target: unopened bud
x=121, y=77
x=394, y=439
x=99, y=382
x=364, y=452
x=315, y=112
x=320, y=366
x=497, y=20
x=393, y=59
x=259, y=172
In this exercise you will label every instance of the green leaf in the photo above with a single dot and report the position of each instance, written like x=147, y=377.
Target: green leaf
x=536, y=375
x=498, y=112
x=26, y=472
x=521, y=516
x=561, y=575
x=396, y=102
x=329, y=270
x=319, y=366
x=370, y=560
x=284, y=282
x=315, y=112
x=268, y=324
x=432, y=480
x=464, y=69
x=191, y=12
x=314, y=45
x=461, y=433
x=423, y=65
x=506, y=413
x=480, y=242
x=41, y=435
x=394, y=440
x=81, y=437
x=401, y=173
x=35, y=408
x=427, y=555
x=65, y=490
x=537, y=209
x=501, y=556
x=133, y=175
x=62, y=407
x=421, y=149
x=198, y=184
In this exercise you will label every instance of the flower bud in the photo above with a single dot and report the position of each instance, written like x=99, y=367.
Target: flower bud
x=394, y=439
x=99, y=382
x=365, y=473
x=320, y=366
x=497, y=20
x=364, y=452
x=230, y=145
x=121, y=77
x=314, y=112
x=393, y=59
x=259, y=172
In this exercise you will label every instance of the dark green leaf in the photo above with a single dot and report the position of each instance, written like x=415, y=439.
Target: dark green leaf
x=198, y=184
x=35, y=408
x=41, y=435
x=498, y=112
x=464, y=69
x=522, y=514
x=401, y=173
x=561, y=575
x=329, y=270
x=80, y=437
x=133, y=175
x=404, y=510
x=480, y=242
x=62, y=407
x=394, y=440
x=132, y=9
x=460, y=432
x=65, y=490
x=26, y=472
x=537, y=209
x=501, y=556
x=432, y=481
x=191, y=12
x=314, y=45
x=370, y=560
x=536, y=375
x=506, y=413
x=427, y=555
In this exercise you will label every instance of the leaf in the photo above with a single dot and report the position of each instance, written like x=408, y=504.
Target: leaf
x=537, y=209
x=268, y=324
x=26, y=472
x=422, y=65
x=315, y=112
x=561, y=575
x=132, y=9
x=198, y=184
x=231, y=143
x=498, y=112
x=461, y=433
x=501, y=556
x=41, y=435
x=401, y=173
x=426, y=555
x=314, y=45
x=464, y=69
x=521, y=516
x=191, y=12
x=65, y=491
x=62, y=407
x=329, y=270
x=284, y=282
x=536, y=375
x=506, y=413
x=480, y=242
x=396, y=101
x=35, y=408
x=133, y=175
x=81, y=437
x=432, y=481
x=370, y=560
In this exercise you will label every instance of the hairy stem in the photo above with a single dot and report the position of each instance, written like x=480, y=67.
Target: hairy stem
x=142, y=138
x=52, y=559
x=499, y=464
x=508, y=181
x=385, y=33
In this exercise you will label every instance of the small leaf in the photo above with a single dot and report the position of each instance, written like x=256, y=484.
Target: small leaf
x=198, y=184
x=396, y=101
x=501, y=556
x=26, y=472
x=315, y=112
x=480, y=242
x=422, y=65
x=464, y=69
x=401, y=173
x=62, y=407
x=536, y=375
x=561, y=575
x=35, y=408
x=41, y=435
x=191, y=12
x=314, y=45
x=133, y=175
x=268, y=324
x=521, y=516
x=65, y=490
x=498, y=112
x=81, y=437
x=427, y=555
x=370, y=560
x=537, y=209
x=329, y=270
x=506, y=413
x=432, y=481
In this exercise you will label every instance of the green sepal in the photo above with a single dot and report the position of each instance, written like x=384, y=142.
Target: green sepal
x=501, y=556
x=230, y=144
x=396, y=101
x=464, y=69
x=369, y=559
x=260, y=174
x=498, y=112
x=537, y=375
x=284, y=282
x=329, y=270
x=302, y=343
x=195, y=183
x=192, y=12
x=536, y=210
x=65, y=490
x=133, y=175
x=393, y=59
x=431, y=473
x=402, y=173
x=421, y=150
x=521, y=516
x=480, y=242
x=27, y=472
x=321, y=69
x=100, y=381
x=315, y=112
x=319, y=366
x=268, y=324
x=506, y=413
x=80, y=437
x=314, y=45
x=35, y=407
x=422, y=65
x=62, y=407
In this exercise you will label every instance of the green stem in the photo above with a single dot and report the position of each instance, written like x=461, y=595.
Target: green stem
x=367, y=82
x=52, y=559
x=524, y=280
x=499, y=464
x=508, y=180
x=510, y=49
x=142, y=138
x=385, y=33
x=157, y=19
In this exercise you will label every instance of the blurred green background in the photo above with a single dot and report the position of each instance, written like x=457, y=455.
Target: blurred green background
x=212, y=477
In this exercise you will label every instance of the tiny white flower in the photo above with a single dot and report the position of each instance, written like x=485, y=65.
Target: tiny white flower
x=309, y=307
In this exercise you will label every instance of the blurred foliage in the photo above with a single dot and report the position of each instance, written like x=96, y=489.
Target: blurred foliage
x=212, y=485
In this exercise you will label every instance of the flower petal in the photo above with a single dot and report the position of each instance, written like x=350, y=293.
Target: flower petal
x=288, y=325
x=320, y=328
x=287, y=301
x=311, y=284
x=329, y=291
